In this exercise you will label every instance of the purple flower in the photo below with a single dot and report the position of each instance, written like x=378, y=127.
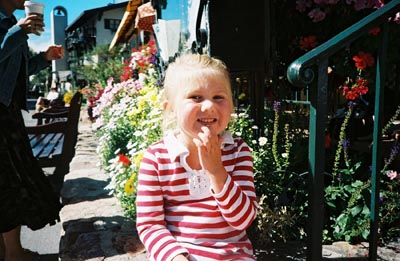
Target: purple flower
x=320, y=2
x=153, y=59
x=381, y=197
x=345, y=144
x=352, y=104
x=395, y=150
x=277, y=105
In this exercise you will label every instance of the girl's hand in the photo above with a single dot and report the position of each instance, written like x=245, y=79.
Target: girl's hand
x=209, y=151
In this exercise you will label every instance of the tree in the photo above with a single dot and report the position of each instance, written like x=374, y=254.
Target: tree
x=101, y=64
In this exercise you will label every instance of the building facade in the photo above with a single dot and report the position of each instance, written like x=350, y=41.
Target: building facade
x=92, y=28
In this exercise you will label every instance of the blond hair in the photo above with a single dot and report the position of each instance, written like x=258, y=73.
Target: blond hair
x=183, y=72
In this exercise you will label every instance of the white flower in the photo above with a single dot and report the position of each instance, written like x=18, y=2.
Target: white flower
x=262, y=141
x=234, y=116
x=284, y=155
x=243, y=115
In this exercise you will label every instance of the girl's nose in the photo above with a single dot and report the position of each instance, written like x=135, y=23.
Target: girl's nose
x=207, y=105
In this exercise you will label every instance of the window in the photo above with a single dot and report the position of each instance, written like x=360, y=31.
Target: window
x=111, y=24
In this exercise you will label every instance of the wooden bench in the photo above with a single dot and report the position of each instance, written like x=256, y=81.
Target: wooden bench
x=54, y=138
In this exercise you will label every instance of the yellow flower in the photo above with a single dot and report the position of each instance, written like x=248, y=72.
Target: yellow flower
x=139, y=158
x=130, y=185
x=67, y=97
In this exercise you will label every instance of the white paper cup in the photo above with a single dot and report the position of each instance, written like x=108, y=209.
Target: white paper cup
x=35, y=8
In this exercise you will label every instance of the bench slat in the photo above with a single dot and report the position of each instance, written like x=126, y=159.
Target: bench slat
x=52, y=145
x=45, y=146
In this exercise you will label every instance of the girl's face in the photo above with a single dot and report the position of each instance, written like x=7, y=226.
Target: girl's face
x=206, y=102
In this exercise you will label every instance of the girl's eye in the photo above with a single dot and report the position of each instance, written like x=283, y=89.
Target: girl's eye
x=218, y=97
x=195, y=97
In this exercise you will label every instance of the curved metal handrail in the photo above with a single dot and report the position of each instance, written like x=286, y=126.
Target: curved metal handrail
x=299, y=72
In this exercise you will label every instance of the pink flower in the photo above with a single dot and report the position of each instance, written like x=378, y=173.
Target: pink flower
x=397, y=18
x=392, y=174
x=316, y=15
x=302, y=5
x=362, y=4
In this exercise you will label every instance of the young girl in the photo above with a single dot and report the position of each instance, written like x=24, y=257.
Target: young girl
x=195, y=193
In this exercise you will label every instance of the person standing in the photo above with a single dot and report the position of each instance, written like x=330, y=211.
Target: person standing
x=26, y=195
x=195, y=193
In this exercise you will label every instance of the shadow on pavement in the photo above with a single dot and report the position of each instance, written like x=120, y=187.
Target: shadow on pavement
x=49, y=257
x=84, y=189
x=99, y=237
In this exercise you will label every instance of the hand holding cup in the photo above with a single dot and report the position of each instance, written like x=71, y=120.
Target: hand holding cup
x=34, y=13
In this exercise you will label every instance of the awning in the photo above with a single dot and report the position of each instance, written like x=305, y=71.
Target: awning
x=127, y=25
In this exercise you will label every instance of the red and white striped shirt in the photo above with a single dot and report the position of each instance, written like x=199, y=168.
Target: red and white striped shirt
x=178, y=213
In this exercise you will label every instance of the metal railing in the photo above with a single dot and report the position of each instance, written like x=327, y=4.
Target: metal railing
x=301, y=73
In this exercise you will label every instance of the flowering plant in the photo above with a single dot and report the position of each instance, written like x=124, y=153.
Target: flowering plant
x=93, y=93
x=127, y=121
x=348, y=194
x=140, y=61
x=275, y=169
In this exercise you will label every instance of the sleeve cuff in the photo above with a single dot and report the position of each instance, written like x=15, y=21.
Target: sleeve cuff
x=224, y=188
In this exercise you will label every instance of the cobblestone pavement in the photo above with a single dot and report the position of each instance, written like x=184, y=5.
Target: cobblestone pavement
x=94, y=228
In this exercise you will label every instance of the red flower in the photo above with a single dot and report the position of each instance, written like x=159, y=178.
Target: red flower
x=126, y=73
x=358, y=88
x=308, y=42
x=124, y=159
x=328, y=141
x=374, y=31
x=363, y=60
x=351, y=95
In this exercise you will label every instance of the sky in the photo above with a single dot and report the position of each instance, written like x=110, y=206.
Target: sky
x=74, y=9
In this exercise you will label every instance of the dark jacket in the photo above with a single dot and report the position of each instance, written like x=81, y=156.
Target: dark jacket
x=13, y=54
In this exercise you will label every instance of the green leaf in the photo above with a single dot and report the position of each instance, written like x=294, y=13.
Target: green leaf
x=355, y=210
x=342, y=220
x=331, y=204
x=365, y=234
x=365, y=210
x=357, y=183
